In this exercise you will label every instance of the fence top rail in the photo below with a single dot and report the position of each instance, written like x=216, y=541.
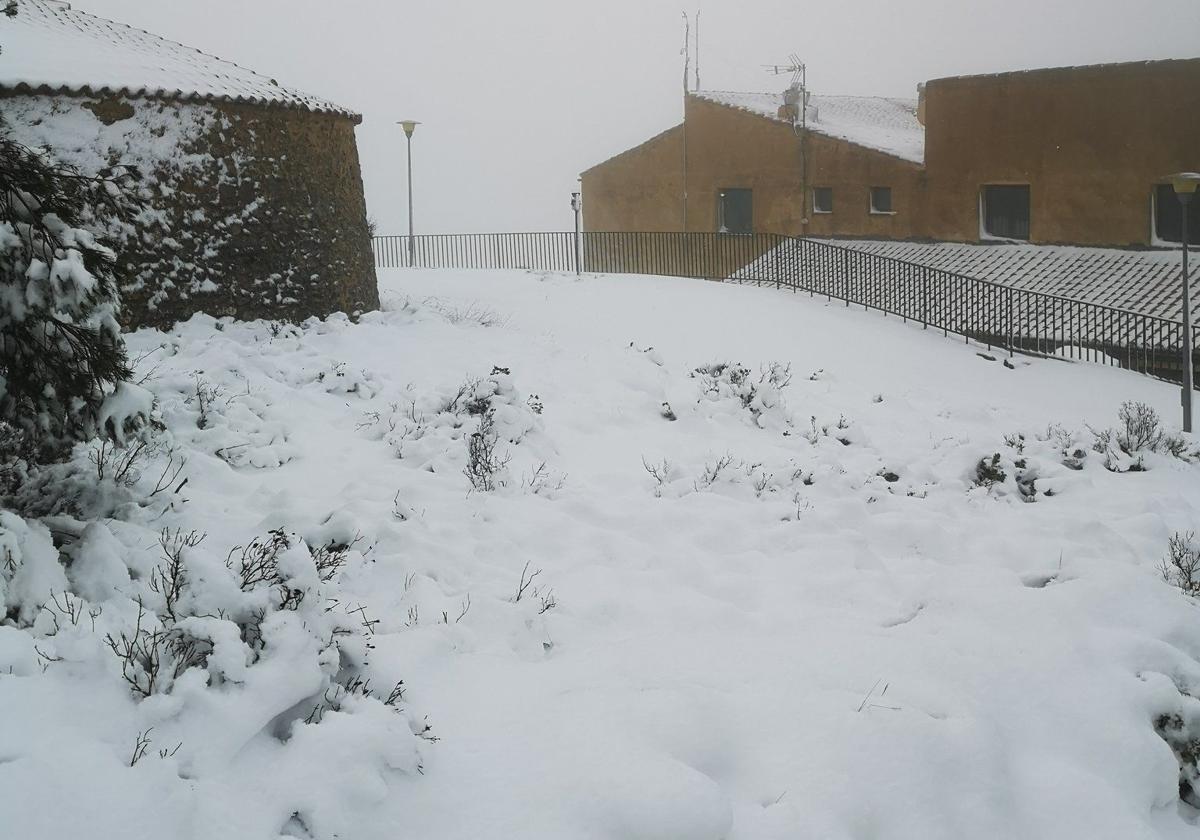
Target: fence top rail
x=475, y=235
x=831, y=246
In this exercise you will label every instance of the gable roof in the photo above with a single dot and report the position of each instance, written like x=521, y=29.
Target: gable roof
x=662, y=135
x=51, y=48
x=874, y=122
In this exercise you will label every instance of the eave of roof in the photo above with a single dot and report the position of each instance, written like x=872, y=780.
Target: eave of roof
x=1034, y=71
x=661, y=135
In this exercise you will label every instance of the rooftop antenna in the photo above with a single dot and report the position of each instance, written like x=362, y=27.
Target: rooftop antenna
x=795, y=67
x=799, y=84
x=797, y=97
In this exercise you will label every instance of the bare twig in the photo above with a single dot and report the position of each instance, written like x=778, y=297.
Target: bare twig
x=526, y=580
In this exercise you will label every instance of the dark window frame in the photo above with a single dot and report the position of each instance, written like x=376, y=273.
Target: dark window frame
x=873, y=206
x=816, y=206
x=733, y=219
x=1001, y=214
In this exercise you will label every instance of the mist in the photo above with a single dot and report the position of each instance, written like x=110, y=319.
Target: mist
x=517, y=98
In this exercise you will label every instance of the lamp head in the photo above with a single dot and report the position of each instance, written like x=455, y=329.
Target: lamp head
x=1185, y=183
x=409, y=126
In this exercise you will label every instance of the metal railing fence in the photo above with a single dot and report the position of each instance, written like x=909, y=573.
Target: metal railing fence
x=994, y=314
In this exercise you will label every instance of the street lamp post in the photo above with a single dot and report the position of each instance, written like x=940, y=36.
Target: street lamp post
x=1185, y=187
x=577, y=205
x=409, y=127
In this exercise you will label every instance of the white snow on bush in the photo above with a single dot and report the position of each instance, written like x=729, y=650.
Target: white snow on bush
x=753, y=566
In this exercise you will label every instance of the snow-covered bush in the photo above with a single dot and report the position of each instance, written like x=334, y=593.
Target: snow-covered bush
x=484, y=463
x=241, y=428
x=761, y=396
x=1140, y=428
x=1140, y=432
x=1182, y=734
x=30, y=572
x=339, y=378
x=989, y=472
x=1012, y=473
x=474, y=313
x=838, y=431
x=63, y=369
x=467, y=426
x=1181, y=566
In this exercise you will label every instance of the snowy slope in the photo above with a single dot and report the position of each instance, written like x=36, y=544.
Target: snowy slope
x=837, y=636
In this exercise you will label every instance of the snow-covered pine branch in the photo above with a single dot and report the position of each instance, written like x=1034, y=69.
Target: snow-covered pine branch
x=63, y=369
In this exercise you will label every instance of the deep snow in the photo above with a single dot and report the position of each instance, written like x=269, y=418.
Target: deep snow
x=830, y=639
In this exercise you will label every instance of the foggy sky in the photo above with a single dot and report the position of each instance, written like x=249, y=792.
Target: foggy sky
x=517, y=98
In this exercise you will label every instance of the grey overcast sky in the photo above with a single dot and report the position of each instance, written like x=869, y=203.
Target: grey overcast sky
x=517, y=98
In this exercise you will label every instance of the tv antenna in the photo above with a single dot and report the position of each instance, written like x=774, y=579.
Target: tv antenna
x=796, y=68
x=796, y=99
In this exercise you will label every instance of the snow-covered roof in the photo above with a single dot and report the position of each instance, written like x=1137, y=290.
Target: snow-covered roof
x=1135, y=280
x=875, y=122
x=51, y=47
x=1118, y=66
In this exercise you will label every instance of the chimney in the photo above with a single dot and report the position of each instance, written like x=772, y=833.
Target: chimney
x=921, y=103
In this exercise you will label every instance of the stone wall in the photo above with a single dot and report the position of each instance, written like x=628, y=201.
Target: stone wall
x=248, y=211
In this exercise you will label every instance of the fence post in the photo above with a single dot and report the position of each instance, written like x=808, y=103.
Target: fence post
x=924, y=297
x=774, y=261
x=1008, y=294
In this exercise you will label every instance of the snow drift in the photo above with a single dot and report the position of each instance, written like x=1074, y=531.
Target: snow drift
x=522, y=556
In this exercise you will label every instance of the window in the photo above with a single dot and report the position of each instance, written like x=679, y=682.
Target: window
x=1168, y=217
x=735, y=211
x=822, y=199
x=881, y=200
x=1006, y=211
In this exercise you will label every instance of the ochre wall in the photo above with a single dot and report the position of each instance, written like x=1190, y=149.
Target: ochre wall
x=638, y=190
x=642, y=189
x=851, y=171
x=1091, y=142
x=728, y=148
x=248, y=211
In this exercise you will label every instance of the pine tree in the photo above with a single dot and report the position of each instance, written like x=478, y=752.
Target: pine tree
x=63, y=367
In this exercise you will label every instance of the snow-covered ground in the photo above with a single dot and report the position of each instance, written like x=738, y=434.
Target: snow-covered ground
x=714, y=604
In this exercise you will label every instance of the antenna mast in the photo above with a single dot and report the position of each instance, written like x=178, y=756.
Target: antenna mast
x=797, y=97
x=799, y=85
x=687, y=50
x=697, y=49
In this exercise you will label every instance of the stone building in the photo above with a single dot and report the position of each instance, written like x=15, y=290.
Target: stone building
x=1068, y=155
x=251, y=202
